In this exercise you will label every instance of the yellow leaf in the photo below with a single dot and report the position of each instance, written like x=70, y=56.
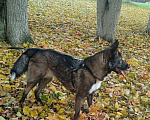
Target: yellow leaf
x=40, y=109
x=2, y=76
x=1, y=88
x=71, y=95
x=7, y=87
x=42, y=114
x=34, y=113
x=63, y=88
x=61, y=110
x=26, y=110
x=52, y=88
x=100, y=94
x=118, y=113
x=107, y=100
x=49, y=101
x=45, y=107
x=124, y=112
x=100, y=105
x=117, y=105
x=121, y=77
x=62, y=117
x=112, y=115
x=137, y=94
x=13, y=86
x=57, y=106
x=51, y=117
x=136, y=109
x=0, y=109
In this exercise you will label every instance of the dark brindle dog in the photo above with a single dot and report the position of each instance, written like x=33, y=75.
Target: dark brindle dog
x=83, y=77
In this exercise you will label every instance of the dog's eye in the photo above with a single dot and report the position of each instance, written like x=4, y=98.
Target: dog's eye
x=105, y=61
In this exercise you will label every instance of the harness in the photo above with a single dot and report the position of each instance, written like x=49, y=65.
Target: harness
x=81, y=65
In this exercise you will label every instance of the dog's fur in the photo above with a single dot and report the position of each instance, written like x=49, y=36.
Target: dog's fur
x=83, y=77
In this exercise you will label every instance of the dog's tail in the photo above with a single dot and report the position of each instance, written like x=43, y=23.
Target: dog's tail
x=21, y=65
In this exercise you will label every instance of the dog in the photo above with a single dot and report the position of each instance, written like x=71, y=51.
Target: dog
x=82, y=77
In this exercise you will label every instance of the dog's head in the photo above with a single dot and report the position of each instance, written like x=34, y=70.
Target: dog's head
x=115, y=61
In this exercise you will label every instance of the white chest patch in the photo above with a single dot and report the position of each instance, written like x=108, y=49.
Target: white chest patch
x=95, y=87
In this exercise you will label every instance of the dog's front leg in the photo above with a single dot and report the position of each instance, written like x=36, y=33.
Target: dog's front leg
x=90, y=99
x=78, y=102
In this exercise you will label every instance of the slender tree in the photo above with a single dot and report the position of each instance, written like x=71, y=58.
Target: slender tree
x=2, y=20
x=107, y=17
x=14, y=20
x=148, y=27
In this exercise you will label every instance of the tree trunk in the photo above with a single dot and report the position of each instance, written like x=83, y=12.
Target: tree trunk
x=16, y=23
x=107, y=17
x=2, y=20
x=148, y=27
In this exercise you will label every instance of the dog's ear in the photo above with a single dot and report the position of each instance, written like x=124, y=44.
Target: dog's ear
x=110, y=51
x=114, y=46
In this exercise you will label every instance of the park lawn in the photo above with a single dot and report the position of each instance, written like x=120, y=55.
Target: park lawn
x=146, y=5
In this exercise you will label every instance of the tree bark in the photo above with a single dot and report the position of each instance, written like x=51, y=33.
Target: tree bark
x=148, y=27
x=16, y=24
x=2, y=20
x=107, y=17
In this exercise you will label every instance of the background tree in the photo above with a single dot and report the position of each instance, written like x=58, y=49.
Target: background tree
x=14, y=22
x=148, y=27
x=107, y=17
x=2, y=20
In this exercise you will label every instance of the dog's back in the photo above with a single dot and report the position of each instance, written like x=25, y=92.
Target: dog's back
x=54, y=62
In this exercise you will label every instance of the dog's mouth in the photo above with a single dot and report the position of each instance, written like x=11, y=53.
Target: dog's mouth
x=120, y=72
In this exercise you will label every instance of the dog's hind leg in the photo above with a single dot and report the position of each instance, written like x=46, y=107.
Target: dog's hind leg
x=41, y=85
x=29, y=86
x=44, y=81
x=33, y=77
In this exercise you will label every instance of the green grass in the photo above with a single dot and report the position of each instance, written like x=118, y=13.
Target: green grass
x=146, y=5
x=90, y=0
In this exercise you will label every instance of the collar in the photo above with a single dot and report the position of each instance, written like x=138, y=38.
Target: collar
x=90, y=71
x=81, y=65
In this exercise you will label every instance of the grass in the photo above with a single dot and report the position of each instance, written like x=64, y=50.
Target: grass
x=90, y=0
x=146, y=5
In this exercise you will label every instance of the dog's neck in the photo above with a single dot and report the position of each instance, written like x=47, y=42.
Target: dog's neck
x=97, y=65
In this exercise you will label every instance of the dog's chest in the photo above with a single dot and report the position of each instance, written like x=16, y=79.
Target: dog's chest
x=95, y=87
